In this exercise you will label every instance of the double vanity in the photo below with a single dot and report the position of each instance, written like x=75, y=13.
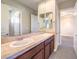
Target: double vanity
x=38, y=46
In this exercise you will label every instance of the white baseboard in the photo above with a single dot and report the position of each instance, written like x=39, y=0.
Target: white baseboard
x=55, y=49
x=67, y=35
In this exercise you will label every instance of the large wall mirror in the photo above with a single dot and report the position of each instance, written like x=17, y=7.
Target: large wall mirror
x=17, y=21
x=10, y=20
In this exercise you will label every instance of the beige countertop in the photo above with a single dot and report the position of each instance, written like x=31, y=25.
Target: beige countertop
x=8, y=52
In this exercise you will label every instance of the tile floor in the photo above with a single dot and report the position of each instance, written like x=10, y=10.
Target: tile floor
x=65, y=51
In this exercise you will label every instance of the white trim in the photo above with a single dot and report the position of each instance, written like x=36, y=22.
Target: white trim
x=55, y=49
x=67, y=35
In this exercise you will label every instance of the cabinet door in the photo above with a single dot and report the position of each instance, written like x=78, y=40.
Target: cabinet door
x=52, y=46
x=26, y=55
x=33, y=53
x=47, y=51
x=39, y=55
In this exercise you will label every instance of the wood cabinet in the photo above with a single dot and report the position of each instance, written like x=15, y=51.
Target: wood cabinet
x=52, y=44
x=39, y=55
x=41, y=51
x=48, y=47
x=47, y=51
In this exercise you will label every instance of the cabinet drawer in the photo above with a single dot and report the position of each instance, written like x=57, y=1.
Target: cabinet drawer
x=52, y=38
x=26, y=55
x=32, y=52
x=48, y=41
x=38, y=47
x=39, y=55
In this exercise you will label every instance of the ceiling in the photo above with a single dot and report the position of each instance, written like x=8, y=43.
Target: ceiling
x=70, y=11
x=63, y=4
x=33, y=4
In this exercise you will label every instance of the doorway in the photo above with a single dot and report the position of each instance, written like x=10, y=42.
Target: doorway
x=67, y=25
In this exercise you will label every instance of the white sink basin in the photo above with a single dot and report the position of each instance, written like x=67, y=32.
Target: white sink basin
x=21, y=43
